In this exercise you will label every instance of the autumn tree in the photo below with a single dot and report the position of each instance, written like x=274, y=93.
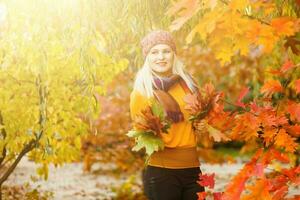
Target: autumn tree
x=268, y=32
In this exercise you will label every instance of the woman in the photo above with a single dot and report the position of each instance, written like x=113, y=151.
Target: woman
x=171, y=174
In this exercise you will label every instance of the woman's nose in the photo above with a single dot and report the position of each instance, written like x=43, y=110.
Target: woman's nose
x=160, y=55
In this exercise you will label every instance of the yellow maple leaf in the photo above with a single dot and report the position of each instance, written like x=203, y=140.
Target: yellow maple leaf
x=206, y=25
x=222, y=48
x=285, y=140
x=260, y=190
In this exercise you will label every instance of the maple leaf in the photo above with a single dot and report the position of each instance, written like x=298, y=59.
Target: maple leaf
x=201, y=195
x=275, y=154
x=294, y=110
x=285, y=140
x=269, y=136
x=148, y=141
x=242, y=94
x=292, y=174
x=148, y=126
x=287, y=65
x=207, y=25
x=216, y=134
x=147, y=121
x=294, y=130
x=278, y=182
x=283, y=26
x=237, y=185
x=200, y=103
x=271, y=87
x=217, y=195
x=297, y=86
x=280, y=193
x=185, y=9
x=260, y=190
x=242, y=44
x=267, y=38
x=207, y=180
x=193, y=104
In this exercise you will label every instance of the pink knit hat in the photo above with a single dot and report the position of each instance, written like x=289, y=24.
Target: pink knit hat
x=157, y=37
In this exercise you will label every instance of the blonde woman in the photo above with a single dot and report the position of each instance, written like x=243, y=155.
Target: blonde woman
x=171, y=174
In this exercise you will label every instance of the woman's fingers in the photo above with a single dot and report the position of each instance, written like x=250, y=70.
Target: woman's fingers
x=200, y=125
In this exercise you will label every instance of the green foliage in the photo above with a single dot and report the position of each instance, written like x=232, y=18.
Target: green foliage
x=146, y=140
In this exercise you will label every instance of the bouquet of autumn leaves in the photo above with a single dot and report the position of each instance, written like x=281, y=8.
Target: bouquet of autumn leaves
x=201, y=103
x=148, y=127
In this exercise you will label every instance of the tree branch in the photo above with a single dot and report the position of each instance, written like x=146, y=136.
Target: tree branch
x=3, y=133
x=25, y=150
x=249, y=16
x=32, y=144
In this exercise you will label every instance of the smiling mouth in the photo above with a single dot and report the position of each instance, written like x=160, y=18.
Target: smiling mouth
x=161, y=63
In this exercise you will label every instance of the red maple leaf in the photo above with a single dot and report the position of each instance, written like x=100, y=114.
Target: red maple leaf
x=287, y=65
x=201, y=195
x=217, y=195
x=207, y=180
x=243, y=93
x=281, y=193
x=271, y=87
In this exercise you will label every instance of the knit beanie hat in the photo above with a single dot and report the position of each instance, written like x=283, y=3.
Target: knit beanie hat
x=157, y=37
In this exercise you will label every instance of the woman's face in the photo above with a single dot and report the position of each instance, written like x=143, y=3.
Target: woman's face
x=160, y=59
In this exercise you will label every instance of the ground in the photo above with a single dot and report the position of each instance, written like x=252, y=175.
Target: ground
x=71, y=183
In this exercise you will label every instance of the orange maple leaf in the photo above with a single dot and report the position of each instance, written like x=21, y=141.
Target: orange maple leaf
x=185, y=9
x=292, y=174
x=286, y=141
x=269, y=136
x=294, y=130
x=147, y=121
x=260, y=190
x=287, y=65
x=283, y=26
x=294, y=110
x=280, y=193
x=271, y=87
x=237, y=185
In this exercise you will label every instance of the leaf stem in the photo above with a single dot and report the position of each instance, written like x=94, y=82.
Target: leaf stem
x=229, y=103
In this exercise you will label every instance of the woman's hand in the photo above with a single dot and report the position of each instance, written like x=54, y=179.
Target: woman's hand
x=199, y=125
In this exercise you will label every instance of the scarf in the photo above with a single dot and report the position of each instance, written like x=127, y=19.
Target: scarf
x=170, y=105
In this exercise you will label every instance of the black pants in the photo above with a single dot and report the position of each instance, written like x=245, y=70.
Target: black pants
x=171, y=184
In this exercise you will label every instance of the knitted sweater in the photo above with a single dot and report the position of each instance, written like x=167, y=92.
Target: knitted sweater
x=180, y=141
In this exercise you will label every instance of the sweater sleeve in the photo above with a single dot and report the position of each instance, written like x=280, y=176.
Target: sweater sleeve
x=137, y=103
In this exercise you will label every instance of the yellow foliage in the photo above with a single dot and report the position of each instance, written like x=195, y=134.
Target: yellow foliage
x=53, y=64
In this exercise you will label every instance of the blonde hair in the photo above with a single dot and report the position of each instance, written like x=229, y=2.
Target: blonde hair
x=144, y=78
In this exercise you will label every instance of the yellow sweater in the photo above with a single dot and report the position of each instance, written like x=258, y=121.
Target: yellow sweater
x=180, y=141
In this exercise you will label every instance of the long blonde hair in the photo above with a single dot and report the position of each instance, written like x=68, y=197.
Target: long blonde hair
x=144, y=78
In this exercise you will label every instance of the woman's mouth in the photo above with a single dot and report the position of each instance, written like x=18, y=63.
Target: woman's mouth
x=161, y=63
